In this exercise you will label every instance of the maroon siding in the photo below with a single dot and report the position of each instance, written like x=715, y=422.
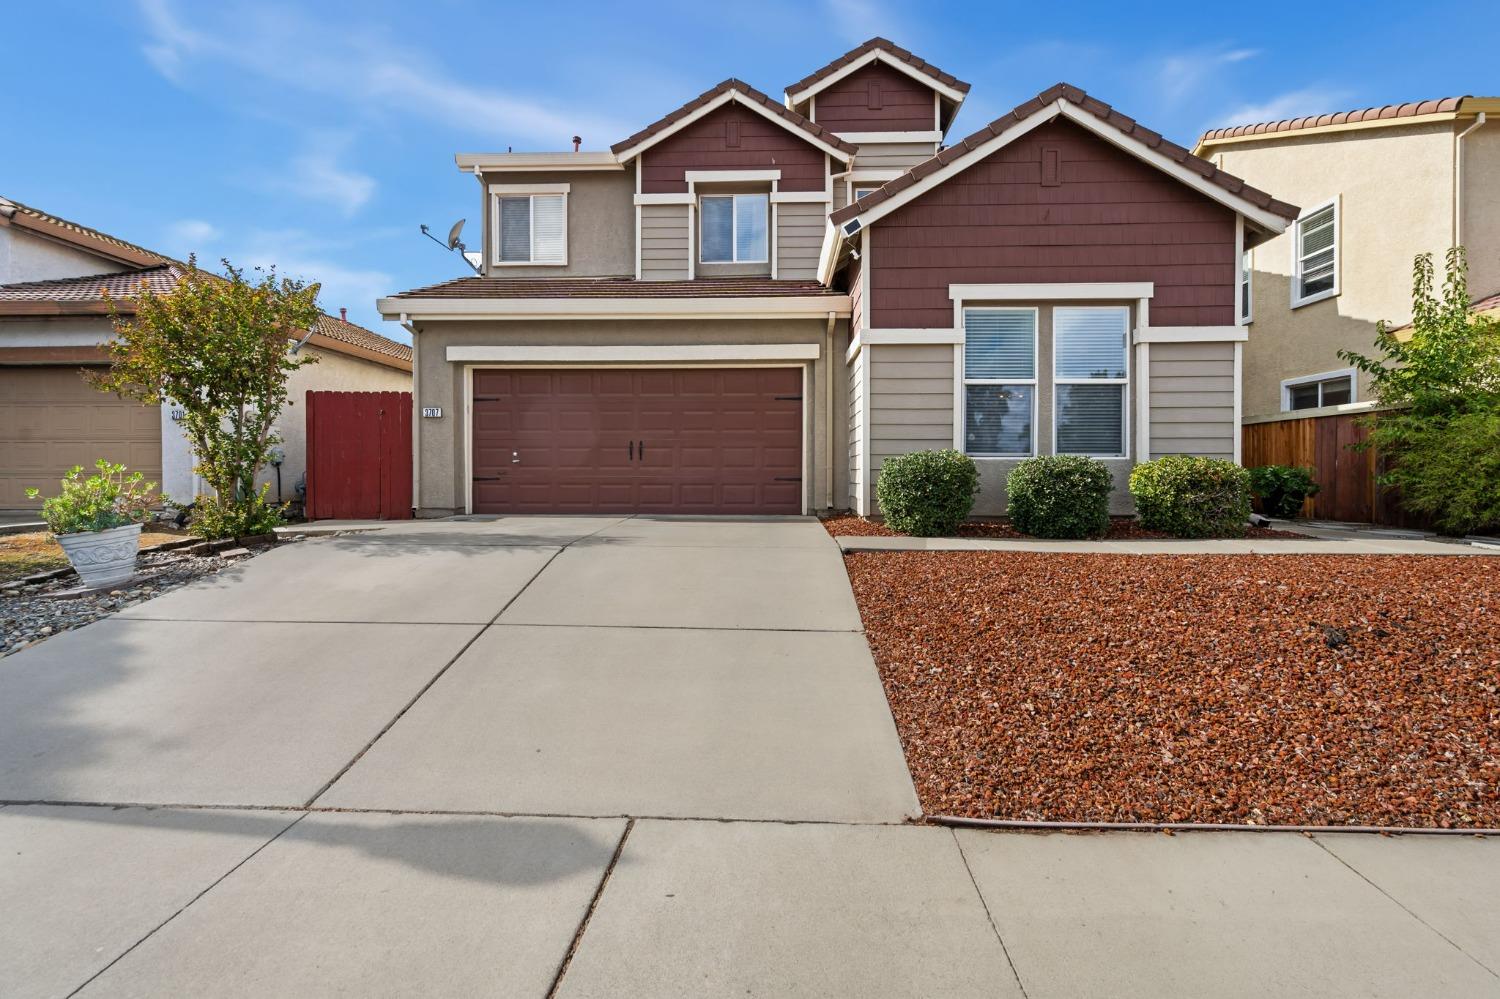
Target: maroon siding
x=703, y=145
x=1110, y=218
x=904, y=104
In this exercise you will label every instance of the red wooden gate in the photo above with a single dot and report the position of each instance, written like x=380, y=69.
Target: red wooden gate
x=358, y=455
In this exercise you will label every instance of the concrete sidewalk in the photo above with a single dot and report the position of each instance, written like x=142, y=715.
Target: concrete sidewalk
x=607, y=756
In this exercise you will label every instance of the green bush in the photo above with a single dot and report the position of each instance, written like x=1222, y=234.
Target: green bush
x=213, y=518
x=107, y=499
x=1060, y=496
x=927, y=493
x=1282, y=488
x=1192, y=497
x=1452, y=471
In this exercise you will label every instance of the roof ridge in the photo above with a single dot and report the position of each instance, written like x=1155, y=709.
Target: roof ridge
x=791, y=117
x=1379, y=112
x=79, y=227
x=890, y=48
x=1079, y=98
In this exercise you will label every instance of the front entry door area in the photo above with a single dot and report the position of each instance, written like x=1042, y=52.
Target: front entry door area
x=637, y=440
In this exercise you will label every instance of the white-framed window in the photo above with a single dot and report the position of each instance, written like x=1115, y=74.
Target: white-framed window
x=1247, y=263
x=1090, y=370
x=860, y=190
x=531, y=229
x=1315, y=254
x=1327, y=388
x=734, y=229
x=999, y=380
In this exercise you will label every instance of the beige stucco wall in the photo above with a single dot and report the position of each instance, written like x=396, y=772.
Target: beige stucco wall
x=442, y=442
x=331, y=373
x=1480, y=207
x=25, y=256
x=1395, y=187
x=601, y=224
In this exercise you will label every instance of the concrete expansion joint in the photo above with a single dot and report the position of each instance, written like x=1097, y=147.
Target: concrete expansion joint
x=588, y=914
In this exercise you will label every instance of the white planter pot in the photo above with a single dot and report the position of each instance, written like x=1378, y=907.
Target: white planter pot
x=103, y=558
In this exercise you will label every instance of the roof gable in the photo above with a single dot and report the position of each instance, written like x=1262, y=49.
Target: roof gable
x=101, y=244
x=739, y=92
x=1097, y=117
x=881, y=50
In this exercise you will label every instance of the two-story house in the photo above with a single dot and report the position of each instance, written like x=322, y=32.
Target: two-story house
x=748, y=304
x=1377, y=187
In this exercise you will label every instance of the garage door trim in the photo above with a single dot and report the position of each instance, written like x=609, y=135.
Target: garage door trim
x=466, y=431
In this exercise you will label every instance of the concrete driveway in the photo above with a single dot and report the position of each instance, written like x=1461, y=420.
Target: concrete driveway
x=605, y=756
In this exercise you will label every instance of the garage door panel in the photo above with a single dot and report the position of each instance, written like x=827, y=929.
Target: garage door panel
x=714, y=440
x=53, y=419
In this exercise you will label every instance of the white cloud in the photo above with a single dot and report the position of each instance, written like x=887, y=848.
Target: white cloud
x=1183, y=74
x=187, y=236
x=860, y=20
x=317, y=175
x=1292, y=104
x=366, y=73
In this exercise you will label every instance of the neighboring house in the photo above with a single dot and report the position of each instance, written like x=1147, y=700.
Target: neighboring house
x=1377, y=187
x=700, y=320
x=53, y=325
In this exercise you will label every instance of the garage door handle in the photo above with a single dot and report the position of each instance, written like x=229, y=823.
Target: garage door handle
x=632, y=450
x=643, y=450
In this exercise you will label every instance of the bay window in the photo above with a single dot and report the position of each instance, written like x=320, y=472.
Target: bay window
x=734, y=229
x=999, y=381
x=531, y=228
x=1089, y=369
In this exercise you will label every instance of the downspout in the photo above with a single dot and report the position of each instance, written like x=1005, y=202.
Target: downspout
x=1458, y=178
x=828, y=413
x=416, y=422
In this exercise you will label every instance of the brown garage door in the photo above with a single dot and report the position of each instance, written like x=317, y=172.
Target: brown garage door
x=51, y=420
x=685, y=440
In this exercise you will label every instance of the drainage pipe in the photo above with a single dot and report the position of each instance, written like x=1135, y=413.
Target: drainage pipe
x=416, y=421
x=963, y=822
x=1458, y=177
x=828, y=414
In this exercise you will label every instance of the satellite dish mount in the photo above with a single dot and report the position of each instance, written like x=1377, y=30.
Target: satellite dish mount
x=454, y=243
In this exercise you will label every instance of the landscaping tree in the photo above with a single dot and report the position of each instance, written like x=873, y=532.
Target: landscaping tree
x=216, y=348
x=1438, y=384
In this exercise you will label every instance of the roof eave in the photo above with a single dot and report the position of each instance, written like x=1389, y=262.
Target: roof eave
x=708, y=307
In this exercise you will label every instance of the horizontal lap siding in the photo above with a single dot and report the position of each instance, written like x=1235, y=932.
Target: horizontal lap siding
x=856, y=424
x=799, y=238
x=892, y=155
x=856, y=297
x=911, y=400
x=905, y=104
x=1112, y=218
x=664, y=242
x=703, y=145
x=1192, y=399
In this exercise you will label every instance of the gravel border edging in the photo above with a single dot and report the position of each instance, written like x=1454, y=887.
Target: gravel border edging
x=1040, y=825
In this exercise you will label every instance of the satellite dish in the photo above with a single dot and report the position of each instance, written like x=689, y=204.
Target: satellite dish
x=454, y=243
x=453, y=234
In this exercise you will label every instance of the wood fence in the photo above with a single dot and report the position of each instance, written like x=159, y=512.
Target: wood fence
x=358, y=456
x=1346, y=475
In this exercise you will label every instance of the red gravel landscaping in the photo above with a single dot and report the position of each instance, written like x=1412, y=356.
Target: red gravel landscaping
x=1264, y=689
x=1120, y=529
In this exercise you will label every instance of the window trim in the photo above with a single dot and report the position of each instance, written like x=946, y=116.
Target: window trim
x=734, y=226
x=530, y=193
x=964, y=381
x=1125, y=381
x=1297, y=255
x=1287, y=384
x=1245, y=302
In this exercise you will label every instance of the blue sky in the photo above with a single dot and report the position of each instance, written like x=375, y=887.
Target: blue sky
x=318, y=136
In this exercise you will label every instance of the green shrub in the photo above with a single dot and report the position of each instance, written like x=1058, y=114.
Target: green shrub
x=927, y=493
x=109, y=498
x=213, y=518
x=1282, y=488
x=1192, y=497
x=1060, y=496
x=1452, y=472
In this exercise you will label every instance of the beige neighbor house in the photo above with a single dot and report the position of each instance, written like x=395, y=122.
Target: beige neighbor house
x=53, y=325
x=1377, y=187
x=747, y=305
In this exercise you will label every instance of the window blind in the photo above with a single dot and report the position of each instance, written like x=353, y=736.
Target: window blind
x=716, y=228
x=1317, y=252
x=999, y=344
x=1091, y=419
x=549, y=228
x=515, y=229
x=750, y=221
x=1090, y=343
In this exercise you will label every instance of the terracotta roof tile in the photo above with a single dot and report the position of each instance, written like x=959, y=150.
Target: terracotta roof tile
x=347, y=332
x=791, y=117
x=1382, y=113
x=890, y=48
x=1126, y=126
x=158, y=279
x=618, y=287
x=36, y=215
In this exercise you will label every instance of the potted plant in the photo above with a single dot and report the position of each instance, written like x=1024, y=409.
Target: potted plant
x=97, y=521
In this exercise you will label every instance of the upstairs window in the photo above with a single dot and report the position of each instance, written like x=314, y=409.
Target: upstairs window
x=1315, y=249
x=1245, y=289
x=1089, y=370
x=531, y=229
x=1000, y=382
x=1331, y=388
x=733, y=229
